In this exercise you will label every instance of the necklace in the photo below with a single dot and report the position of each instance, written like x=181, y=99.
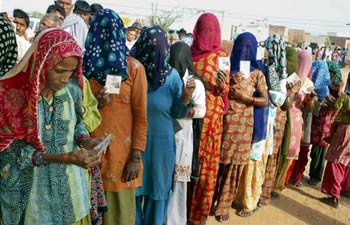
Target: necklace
x=48, y=111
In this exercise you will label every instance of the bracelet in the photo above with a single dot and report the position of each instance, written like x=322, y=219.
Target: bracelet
x=81, y=140
x=37, y=159
x=253, y=102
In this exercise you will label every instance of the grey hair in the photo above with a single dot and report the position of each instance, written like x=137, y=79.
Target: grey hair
x=54, y=18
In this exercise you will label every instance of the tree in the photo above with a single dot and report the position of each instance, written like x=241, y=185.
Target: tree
x=165, y=18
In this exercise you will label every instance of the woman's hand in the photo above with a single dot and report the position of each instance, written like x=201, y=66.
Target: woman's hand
x=238, y=77
x=90, y=143
x=188, y=90
x=221, y=79
x=85, y=158
x=132, y=167
x=239, y=94
x=102, y=97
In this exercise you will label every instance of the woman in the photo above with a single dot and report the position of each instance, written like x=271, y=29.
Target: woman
x=39, y=142
x=8, y=49
x=165, y=100
x=292, y=139
x=236, y=146
x=338, y=154
x=121, y=165
x=205, y=53
x=181, y=60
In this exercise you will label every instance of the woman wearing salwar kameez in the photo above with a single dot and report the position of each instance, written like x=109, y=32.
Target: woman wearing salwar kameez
x=205, y=52
x=42, y=180
x=166, y=100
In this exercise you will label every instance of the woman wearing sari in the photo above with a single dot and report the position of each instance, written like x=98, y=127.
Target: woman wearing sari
x=8, y=48
x=121, y=166
x=42, y=179
x=205, y=52
x=166, y=100
x=239, y=122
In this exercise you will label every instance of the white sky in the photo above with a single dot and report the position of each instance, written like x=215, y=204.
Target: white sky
x=315, y=16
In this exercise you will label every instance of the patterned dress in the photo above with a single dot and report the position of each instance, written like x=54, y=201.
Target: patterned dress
x=210, y=143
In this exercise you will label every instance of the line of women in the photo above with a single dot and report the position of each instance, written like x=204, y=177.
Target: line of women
x=189, y=139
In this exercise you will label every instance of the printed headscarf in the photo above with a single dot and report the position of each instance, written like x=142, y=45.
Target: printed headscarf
x=305, y=63
x=292, y=60
x=245, y=48
x=321, y=78
x=8, y=47
x=206, y=36
x=105, y=49
x=333, y=66
x=151, y=49
x=275, y=63
x=181, y=58
x=21, y=87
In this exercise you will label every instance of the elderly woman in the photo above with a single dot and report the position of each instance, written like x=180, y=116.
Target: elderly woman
x=42, y=179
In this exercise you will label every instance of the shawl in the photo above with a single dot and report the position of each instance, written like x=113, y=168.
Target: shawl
x=151, y=49
x=105, y=48
x=245, y=48
x=333, y=66
x=206, y=36
x=21, y=87
x=305, y=63
x=321, y=78
x=292, y=60
x=275, y=63
x=8, y=47
x=181, y=58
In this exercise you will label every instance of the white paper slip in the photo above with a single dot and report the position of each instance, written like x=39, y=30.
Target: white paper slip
x=244, y=67
x=293, y=78
x=102, y=146
x=224, y=63
x=260, y=53
x=307, y=86
x=113, y=83
x=186, y=77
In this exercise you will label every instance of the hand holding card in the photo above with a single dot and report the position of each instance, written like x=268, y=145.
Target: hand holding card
x=224, y=63
x=244, y=67
x=102, y=146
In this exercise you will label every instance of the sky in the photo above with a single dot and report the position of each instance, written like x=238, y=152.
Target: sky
x=316, y=17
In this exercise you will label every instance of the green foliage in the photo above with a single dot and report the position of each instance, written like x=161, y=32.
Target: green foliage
x=36, y=14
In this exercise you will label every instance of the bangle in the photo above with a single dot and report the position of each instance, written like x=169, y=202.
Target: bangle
x=253, y=102
x=81, y=139
x=37, y=159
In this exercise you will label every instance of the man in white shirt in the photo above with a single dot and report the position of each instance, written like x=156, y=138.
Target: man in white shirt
x=130, y=37
x=73, y=24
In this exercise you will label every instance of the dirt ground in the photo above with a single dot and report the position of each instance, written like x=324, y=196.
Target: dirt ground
x=296, y=206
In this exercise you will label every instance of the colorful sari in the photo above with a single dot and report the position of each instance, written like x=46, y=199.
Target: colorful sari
x=205, y=52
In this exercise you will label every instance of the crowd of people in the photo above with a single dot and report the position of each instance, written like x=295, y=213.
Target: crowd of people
x=106, y=124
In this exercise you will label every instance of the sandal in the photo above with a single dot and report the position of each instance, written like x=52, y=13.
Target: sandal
x=274, y=195
x=300, y=184
x=331, y=201
x=313, y=181
x=244, y=213
x=222, y=218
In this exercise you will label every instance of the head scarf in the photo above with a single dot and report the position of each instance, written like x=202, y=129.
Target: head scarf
x=321, y=78
x=151, y=49
x=245, y=48
x=8, y=47
x=206, y=36
x=105, y=49
x=275, y=63
x=305, y=63
x=21, y=87
x=181, y=58
x=333, y=66
x=292, y=60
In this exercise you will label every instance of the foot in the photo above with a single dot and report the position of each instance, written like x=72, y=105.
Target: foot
x=244, y=213
x=274, y=195
x=222, y=218
x=298, y=185
x=331, y=201
x=313, y=181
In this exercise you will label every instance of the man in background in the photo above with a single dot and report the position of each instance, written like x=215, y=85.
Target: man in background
x=21, y=20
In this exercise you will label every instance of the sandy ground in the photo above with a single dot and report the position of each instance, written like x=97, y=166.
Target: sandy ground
x=297, y=206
